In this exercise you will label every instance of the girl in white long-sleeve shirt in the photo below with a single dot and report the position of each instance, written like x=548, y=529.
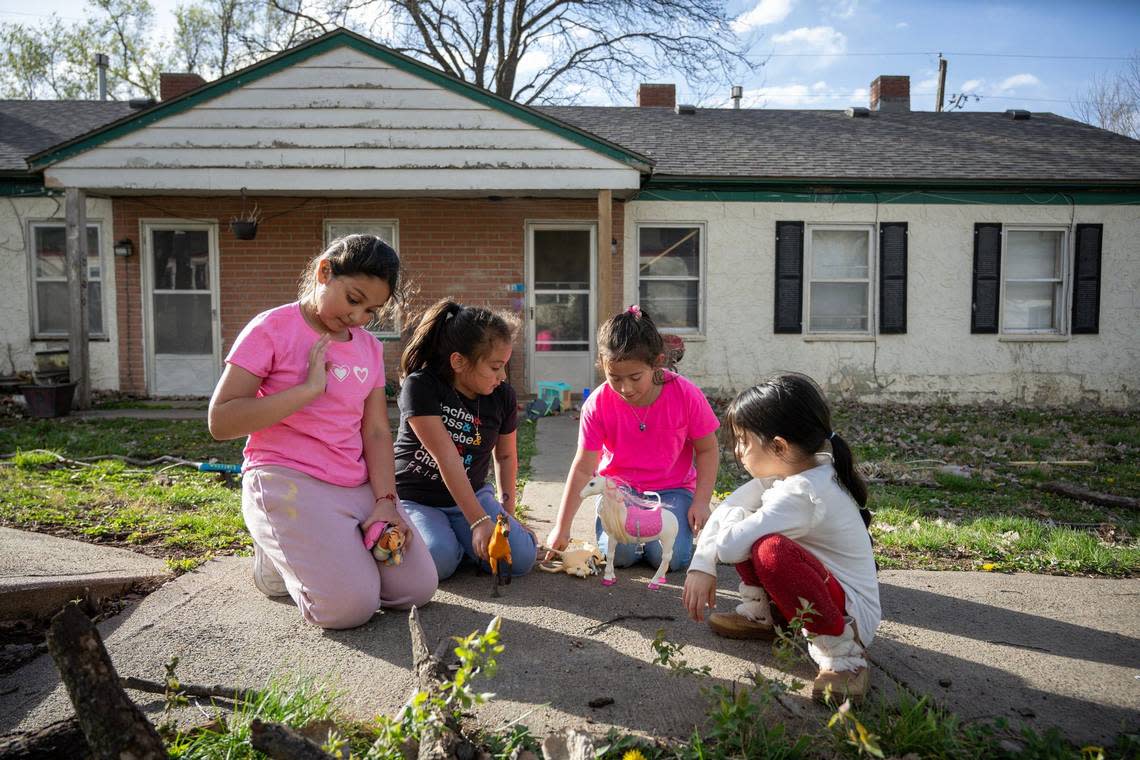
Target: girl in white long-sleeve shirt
x=797, y=532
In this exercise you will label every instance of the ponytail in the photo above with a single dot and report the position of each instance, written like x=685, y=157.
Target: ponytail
x=849, y=476
x=447, y=328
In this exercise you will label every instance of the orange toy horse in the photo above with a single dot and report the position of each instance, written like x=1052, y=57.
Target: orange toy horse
x=499, y=552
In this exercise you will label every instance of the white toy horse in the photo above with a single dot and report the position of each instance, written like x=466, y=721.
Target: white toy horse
x=628, y=520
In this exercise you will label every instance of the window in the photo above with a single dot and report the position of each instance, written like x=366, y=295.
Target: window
x=1033, y=282
x=669, y=274
x=839, y=268
x=51, y=307
x=387, y=326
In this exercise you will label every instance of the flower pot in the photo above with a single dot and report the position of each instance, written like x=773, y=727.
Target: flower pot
x=48, y=400
x=243, y=230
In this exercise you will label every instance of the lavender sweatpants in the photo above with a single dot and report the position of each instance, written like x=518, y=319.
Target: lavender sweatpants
x=310, y=531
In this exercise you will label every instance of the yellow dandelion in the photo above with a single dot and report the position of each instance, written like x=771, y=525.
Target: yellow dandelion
x=989, y=567
x=633, y=754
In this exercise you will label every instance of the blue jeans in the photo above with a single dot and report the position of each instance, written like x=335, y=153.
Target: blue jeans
x=677, y=501
x=447, y=534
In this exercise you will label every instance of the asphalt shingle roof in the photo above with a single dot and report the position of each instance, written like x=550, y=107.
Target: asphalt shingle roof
x=785, y=144
x=29, y=126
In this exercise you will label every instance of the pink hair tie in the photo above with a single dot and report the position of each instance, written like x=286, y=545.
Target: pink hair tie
x=635, y=310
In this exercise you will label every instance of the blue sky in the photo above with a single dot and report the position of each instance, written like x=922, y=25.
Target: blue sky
x=849, y=42
x=824, y=53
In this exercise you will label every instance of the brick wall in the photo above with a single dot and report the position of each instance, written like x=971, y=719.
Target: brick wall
x=468, y=249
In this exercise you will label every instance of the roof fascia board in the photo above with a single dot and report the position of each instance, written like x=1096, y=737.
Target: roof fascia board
x=331, y=41
x=887, y=196
x=822, y=184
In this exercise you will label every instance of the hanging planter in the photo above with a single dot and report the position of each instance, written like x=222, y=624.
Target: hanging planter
x=244, y=227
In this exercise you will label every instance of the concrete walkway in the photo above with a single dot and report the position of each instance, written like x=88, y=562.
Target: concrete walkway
x=983, y=645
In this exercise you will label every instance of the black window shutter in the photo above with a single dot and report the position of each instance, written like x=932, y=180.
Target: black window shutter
x=789, y=296
x=1086, y=279
x=987, y=278
x=892, y=277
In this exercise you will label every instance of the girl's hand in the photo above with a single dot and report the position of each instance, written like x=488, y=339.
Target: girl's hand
x=385, y=511
x=699, y=594
x=698, y=516
x=318, y=367
x=481, y=538
x=557, y=540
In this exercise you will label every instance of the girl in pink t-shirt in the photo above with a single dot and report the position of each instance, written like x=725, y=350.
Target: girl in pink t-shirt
x=649, y=429
x=305, y=381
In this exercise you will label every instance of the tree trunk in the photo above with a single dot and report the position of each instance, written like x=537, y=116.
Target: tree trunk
x=113, y=725
x=1080, y=494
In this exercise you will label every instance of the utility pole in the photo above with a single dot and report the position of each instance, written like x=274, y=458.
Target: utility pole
x=941, y=83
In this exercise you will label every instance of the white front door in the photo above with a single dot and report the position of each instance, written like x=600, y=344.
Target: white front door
x=561, y=272
x=180, y=308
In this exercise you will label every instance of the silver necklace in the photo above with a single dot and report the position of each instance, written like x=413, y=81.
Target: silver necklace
x=640, y=420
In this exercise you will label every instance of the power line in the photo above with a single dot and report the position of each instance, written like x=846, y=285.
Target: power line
x=950, y=53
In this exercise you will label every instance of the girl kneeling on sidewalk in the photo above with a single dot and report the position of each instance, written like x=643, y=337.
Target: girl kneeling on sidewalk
x=797, y=532
x=305, y=381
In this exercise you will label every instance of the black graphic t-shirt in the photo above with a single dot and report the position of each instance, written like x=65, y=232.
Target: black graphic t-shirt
x=475, y=425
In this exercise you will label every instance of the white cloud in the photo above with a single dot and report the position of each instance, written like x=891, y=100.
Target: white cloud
x=823, y=40
x=972, y=85
x=1017, y=80
x=901, y=25
x=844, y=8
x=765, y=13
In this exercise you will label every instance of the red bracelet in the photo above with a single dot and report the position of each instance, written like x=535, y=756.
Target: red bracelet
x=389, y=496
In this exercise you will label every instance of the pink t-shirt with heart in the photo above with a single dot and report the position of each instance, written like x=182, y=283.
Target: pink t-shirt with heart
x=324, y=438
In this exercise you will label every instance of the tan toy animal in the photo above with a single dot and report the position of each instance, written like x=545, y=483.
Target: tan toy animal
x=581, y=562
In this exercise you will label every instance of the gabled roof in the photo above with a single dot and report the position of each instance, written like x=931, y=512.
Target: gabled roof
x=781, y=145
x=30, y=126
x=330, y=41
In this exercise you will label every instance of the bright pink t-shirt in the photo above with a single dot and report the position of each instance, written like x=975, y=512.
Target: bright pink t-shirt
x=659, y=457
x=324, y=438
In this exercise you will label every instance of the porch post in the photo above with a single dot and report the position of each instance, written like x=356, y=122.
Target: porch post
x=79, y=328
x=605, y=259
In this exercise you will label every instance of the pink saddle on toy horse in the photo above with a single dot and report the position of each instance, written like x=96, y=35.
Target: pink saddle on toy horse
x=642, y=522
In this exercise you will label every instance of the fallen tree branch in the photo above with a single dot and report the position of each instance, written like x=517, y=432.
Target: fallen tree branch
x=1081, y=494
x=64, y=738
x=283, y=743
x=114, y=726
x=599, y=627
x=231, y=693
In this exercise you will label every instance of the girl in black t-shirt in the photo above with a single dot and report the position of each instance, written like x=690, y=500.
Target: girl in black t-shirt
x=456, y=412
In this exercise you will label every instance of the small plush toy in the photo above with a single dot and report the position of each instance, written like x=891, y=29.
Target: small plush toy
x=580, y=562
x=386, y=542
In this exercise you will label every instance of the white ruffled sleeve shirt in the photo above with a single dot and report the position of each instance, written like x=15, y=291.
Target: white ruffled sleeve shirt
x=812, y=509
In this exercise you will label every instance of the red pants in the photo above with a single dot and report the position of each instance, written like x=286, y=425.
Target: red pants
x=789, y=572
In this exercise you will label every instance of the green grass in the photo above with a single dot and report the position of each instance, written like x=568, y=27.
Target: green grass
x=928, y=518
x=174, y=513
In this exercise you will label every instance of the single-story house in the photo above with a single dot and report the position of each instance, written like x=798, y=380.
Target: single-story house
x=891, y=254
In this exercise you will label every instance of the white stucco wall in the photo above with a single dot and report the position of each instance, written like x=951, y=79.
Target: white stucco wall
x=15, y=285
x=938, y=358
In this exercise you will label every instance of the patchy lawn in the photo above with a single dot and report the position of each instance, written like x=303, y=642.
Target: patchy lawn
x=960, y=487
x=172, y=512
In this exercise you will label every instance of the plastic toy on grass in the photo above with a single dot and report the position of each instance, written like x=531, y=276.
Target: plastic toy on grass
x=628, y=519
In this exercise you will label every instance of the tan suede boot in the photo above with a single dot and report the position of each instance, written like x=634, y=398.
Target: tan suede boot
x=843, y=668
x=752, y=619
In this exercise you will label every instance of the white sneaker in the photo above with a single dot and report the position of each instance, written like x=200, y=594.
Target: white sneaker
x=265, y=576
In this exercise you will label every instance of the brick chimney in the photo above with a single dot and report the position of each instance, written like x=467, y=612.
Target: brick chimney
x=656, y=95
x=170, y=85
x=890, y=94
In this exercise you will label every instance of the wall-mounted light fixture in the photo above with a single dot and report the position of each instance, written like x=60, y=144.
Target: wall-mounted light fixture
x=124, y=248
x=613, y=246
